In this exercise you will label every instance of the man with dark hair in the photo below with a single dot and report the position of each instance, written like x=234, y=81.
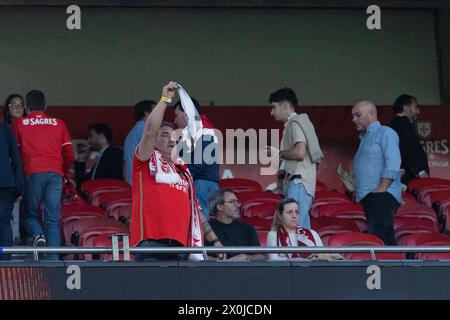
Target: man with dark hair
x=204, y=166
x=228, y=228
x=47, y=154
x=141, y=111
x=109, y=159
x=165, y=211
x=414, y=158
x=299, y=153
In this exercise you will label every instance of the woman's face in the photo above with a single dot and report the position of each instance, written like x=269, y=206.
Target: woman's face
x=16, y=108
x=289, y=216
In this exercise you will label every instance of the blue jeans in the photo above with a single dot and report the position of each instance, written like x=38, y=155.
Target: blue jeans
x=46, y=187
x=304, y=200
x=7, y=199
x=204, y=190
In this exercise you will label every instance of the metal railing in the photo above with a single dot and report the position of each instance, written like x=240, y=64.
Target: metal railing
x=116, y=251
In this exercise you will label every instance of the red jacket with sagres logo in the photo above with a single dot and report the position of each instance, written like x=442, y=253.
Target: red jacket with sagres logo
x=45, y=144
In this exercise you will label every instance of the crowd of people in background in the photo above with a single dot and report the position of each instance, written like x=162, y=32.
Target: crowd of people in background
x=179, y=204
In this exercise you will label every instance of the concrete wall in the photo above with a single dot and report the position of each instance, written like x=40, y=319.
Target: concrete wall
x=223, y=56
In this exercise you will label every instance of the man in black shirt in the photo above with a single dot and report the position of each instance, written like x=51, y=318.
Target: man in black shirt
x=414, y=159
x=225, y=208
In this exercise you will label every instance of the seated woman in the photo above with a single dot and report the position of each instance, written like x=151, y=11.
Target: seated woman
x=286, y=233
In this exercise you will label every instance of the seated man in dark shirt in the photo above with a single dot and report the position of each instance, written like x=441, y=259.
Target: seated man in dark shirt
x=225, y=208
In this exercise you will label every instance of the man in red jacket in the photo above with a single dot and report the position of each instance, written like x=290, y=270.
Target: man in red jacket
x=47, y=154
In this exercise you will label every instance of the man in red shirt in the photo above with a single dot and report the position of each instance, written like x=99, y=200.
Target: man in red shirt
x=47, y=154
x=165, y=210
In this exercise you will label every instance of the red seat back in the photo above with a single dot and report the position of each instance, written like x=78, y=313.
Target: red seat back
x=262, y=236
x=240, y=185
x=405, y=226
x=351, y=211
x=91, y=185
x=417, y=210
x=329, y=226
x=260, y=210
x=362, y=239
x=416, y=184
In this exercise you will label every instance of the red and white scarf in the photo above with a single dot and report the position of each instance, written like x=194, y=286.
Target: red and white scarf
x=169, y=173
x=305, y=238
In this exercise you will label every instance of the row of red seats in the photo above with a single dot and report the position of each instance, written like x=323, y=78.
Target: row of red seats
x=332, y=213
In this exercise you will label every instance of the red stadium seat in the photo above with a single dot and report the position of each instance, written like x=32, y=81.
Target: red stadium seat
x=329, y=226
x=405, y=226
x=261, y=210
x=103, y=240
x=250, y=199
x=87, y=227
x=362, y=240
x=350, y=211
x=417, y=184
x=429, y=239
x=74, y=212
x=408, y=197
x=104, y=200
x=327, y=197
x=262, y=236
x=441, y=205
x=120, y=211
x=91, y=189
x=258, y=223
x=424, y=194
x=91, y=185
x=240, y=185
x=417, y=210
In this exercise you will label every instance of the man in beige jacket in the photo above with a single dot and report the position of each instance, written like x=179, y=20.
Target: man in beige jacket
x=299, y=153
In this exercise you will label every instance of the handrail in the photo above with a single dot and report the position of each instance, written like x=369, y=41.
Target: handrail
x=97, y=250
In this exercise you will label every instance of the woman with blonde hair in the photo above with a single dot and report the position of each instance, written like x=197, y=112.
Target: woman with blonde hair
x=286, y=233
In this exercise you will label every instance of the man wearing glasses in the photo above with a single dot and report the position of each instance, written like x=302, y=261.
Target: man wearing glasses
x=225, y=208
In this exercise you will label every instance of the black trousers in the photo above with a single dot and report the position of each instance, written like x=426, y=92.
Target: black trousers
x=380, y=209
x=162, y=243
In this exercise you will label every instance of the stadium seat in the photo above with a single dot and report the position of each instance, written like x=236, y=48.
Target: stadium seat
x=350, y=211
x=415, y=185
x=120, y=211
x=441, y=205
x=329, y=226
x=240, y=185
x=327, y=197
x=252, y=198
x=260, y=210
x=429, y=239
x=362, y=240
x=90, y=185
x=91, y=189
x=258, y=223
x=408, y=197
x=103, y=240
x=424, y=194
x=405, y=226
x=104, y=200
x=85, y=228
x=74, y=212
x=417, y=210
x=262, y=236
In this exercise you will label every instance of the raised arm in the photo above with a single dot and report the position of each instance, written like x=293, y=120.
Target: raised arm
x=154, y=121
